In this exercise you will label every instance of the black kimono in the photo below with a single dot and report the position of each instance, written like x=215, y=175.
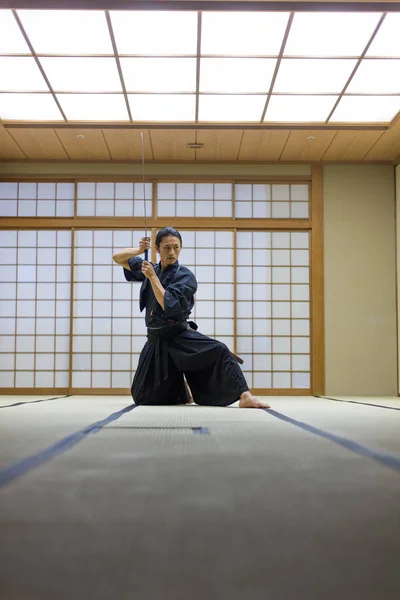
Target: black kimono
x=175, y=349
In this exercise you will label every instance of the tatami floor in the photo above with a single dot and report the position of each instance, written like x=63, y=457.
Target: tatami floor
x=103, y=500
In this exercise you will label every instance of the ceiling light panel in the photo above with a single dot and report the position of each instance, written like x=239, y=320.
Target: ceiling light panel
x=387, y=40
x=236, y=75
x=243, y=33
x=67, y=31
x=162, y=107
x=313, y=76
x=21, y=74
x=299, y=108
x=11, y=38
x=364, y=109
x=231, y=108
x=82, y=74
x=94, y=107
x=330, y=34
x=155, y=32
x=378, y=76
x=159, y=74
x=29, y=107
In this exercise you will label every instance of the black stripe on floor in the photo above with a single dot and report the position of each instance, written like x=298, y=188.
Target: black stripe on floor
x=34, y=401
x=393, y=462
x=356, y=402
x=25, y=465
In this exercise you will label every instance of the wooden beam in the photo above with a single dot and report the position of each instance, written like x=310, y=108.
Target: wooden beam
x=317, y=285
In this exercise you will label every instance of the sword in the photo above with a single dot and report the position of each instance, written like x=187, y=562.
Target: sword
x=146, y=252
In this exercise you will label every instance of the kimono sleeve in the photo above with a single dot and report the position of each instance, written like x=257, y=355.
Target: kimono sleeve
x=135, y=273
x=178, y=298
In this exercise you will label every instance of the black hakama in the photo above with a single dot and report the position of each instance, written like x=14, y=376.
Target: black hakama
x=174, y=349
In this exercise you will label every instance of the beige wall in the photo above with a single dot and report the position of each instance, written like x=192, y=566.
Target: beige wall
x=360, y=297
x=398, y=265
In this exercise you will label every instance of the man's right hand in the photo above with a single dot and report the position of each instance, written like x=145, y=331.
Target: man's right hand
x=144, y=244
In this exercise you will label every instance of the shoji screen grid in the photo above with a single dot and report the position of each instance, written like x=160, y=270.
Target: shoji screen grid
x=113, y=199
x=35, y=274
x=273, y=308
x=271, y=201
x=31, y=199
x=194, y=200
x=210, y=256
x=108, y=330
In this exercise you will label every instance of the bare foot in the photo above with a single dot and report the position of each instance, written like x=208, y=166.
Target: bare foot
x=249, y=401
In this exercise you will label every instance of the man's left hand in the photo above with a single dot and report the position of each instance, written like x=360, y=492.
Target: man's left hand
x=148, y=270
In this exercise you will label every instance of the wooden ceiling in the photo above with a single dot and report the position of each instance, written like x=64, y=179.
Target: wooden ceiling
x=222, y=144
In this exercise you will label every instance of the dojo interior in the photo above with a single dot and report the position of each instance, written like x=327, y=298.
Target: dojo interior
x=268, y=134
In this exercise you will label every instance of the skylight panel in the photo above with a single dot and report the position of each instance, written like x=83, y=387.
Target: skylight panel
x=243, y=33
x=21, y=74
x=330, y=34
x=159, y=74
x=387, y=40
x=231, y=108
x=366, y=109
x=313, y=76
x=162, y=107
x=67, y=31
x=82, y=74
x=29, y=107
x=11, y=39
x=94, y=107
x=236, y=75
x=376, y=77
x=299, y=108
x=155, y=32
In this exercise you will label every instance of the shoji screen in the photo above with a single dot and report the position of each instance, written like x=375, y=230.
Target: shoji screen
x=108, y=329
x=273, y=308
x=35, y=274
x=210, y=255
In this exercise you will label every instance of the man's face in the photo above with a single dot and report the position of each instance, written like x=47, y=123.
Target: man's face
x=169, y=250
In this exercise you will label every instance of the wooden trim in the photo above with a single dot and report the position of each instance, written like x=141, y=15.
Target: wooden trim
x=234, y=292
x=135, y=178
x=71, y=310
x=280, y=392
x=153, y=245
x=5, y=391
x=382, y=126
x=317, y=286
x=154, y=199
x=138, y=223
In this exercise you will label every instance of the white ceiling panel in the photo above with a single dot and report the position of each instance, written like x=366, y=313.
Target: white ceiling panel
x=299, y=108
x=11, y=38
x=376, y=77
x=67, y=31
x=162, y=107
x=243, y=33
x=362, y=109
x=82, y=74
x=29, y=107
x=236, y=75
x=330, y=34
x=387, y=40
x=313, y=76
x=159, y=74
x=21, y=74
x=231, y=108
x=94, y=107
x=155, y=32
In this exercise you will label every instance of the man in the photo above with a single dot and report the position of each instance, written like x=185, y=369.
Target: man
x=173, y=347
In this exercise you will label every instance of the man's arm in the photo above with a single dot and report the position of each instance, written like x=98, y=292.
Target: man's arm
x=121, y=258
x=159, y=291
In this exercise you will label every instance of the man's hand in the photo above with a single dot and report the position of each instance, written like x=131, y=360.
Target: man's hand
x=148, y=270
x=144, y=244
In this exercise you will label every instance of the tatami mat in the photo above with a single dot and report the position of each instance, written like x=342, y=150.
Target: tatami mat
x=247, y=508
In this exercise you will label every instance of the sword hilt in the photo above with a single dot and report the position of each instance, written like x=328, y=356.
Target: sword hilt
x=146, y=255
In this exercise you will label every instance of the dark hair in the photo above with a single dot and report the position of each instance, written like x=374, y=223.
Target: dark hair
x=165, y=233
